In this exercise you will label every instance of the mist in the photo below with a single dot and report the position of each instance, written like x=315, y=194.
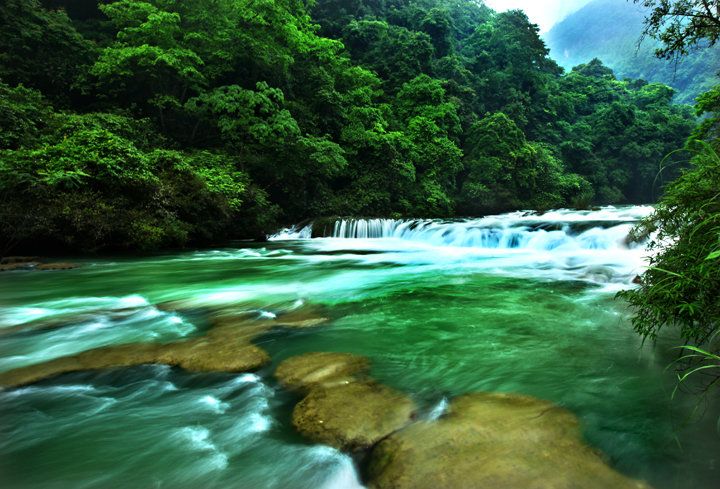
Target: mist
x=545, y=13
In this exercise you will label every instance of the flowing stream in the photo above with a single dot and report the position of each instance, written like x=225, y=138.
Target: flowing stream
x=518, y=303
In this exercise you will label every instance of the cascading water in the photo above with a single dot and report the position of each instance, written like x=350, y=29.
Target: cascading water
x=603, y=228
x=564, y=244
x=293, y=232
x=367, y=228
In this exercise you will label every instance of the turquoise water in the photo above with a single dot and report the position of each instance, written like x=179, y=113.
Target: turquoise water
x=510, y=304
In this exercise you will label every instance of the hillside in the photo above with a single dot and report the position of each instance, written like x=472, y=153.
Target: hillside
x=158, y=124
x=611, y=30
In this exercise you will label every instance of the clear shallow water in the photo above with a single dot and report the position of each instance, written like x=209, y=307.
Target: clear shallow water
x=438, y=310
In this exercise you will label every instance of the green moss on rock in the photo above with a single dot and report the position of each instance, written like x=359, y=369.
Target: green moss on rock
x=352, y=416
x=496, y=441
x=325, y=369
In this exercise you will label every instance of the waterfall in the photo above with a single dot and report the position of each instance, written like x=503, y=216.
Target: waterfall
x=366, y=228
x=293, y=232
x=601, y=229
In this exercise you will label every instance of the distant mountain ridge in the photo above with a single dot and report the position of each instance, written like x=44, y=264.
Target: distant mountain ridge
x=611, y=30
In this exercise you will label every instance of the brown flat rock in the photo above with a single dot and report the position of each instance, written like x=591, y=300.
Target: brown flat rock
x=493, y=441
x=352, y=416
x=227, y=347
x=300, y=323
x=326, y=369
x=9, y=260
x=99, y=358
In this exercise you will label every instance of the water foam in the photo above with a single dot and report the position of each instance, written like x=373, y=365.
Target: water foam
x=439, y=409
x=51, y=390
x=198, y=438
x=344, y=475
x=590, y=246
x=291, y=233
x=214, y=404
x=70, y=326
x=65, y=307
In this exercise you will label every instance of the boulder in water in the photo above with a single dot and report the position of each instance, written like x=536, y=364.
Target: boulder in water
x=343, y=408
x=327, y=369
x=496, y=441
x=352, y=416
x=99, y=358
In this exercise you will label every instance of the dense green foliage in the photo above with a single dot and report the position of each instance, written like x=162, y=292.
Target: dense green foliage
x=142, y=124
x=684, y=274
x=83, y=181
x=681, y=287
x=611, y=31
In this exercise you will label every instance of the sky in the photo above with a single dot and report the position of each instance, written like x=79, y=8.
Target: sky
x=545, y=13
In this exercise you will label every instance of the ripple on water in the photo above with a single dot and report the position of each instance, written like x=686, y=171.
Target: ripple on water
x=214, y=404
x=198, y=439
x=64, y=333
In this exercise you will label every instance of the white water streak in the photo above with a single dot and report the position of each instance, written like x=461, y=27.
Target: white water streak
x=591, y=246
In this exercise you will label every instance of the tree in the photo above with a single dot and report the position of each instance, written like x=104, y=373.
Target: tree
x=504, y=171
x=438, y=25
x=24, y=113
x=412, y=108
x=708, y=105
x=512, y=71
x=147, y=65
x=105, y=181
x=395, y=53
x=682, y=24
x=680, y=287
x=41, y=49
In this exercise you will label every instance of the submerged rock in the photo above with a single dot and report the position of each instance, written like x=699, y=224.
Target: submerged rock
x=57, y=266
x=11, y=263
x=11, y=260
x=352, y=416
x=283, y=322
x=496, y=441
x=227, y=347
x=326, y=369
x=99, y=358
x=9, y=267
x=281, y=315
x=213, y=355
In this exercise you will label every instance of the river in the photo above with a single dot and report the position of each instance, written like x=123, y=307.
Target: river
x=517, y=303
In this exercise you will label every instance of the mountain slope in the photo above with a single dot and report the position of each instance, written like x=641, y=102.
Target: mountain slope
x=611, y=30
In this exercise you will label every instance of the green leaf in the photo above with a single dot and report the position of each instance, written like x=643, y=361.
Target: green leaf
x=713, y=256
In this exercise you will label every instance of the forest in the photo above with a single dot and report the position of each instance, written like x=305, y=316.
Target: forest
x=141, y=125
x=609, y=30
x=359, y=244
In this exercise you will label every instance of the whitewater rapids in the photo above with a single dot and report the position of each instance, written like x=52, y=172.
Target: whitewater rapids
x=590, y=246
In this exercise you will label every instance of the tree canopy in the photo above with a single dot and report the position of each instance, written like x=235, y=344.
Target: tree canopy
x=143, y=124
x=682, y=24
